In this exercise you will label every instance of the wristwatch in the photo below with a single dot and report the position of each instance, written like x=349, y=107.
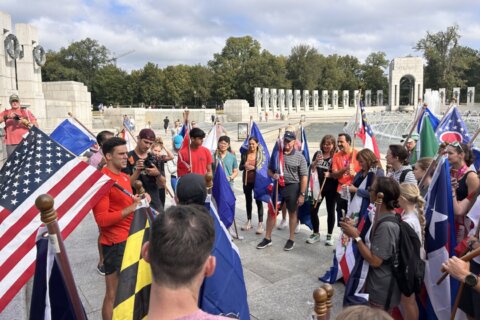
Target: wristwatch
x=302, y=194
x=357, y=239
x=471, y=280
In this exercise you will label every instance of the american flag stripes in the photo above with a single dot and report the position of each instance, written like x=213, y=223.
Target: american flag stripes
x=38, y=166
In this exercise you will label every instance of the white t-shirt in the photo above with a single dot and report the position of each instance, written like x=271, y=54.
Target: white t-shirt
x=412, y=219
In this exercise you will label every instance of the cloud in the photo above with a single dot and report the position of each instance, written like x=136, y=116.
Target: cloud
x=190, y=32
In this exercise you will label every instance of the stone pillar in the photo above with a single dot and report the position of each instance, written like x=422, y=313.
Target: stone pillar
x=289, y=101
x=29, y=73
x=257, y=99
x=456, y=95
x=281, y=100
x=265, y=99
x=470, y=96
x=368, y=98
x=273, y=102
x=345, y=99
x=356, y=97
x=428, y=94
x=315, y=100
x=296, y=98
x=7, y=64
x=335, y=99
x=306, y=100
x=325, y=99
x=379, y=101
x=442, y=93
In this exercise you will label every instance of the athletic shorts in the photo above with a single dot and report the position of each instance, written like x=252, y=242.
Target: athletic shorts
x=290, y=195
x=112, y=257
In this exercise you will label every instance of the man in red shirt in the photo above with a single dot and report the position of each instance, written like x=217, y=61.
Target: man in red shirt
x=197, y=158
x=113, y=214
x=17, y=122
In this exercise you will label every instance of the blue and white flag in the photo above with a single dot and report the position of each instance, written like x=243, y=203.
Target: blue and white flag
x=73, y=136
x=223, y=196
x=433, y=120
x=439, y=242
x=452, y=128
x=304, y=148
x=224, y=292
x=50, y=298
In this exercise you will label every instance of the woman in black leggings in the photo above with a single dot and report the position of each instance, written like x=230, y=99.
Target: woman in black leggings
x=248, y=165
x=322, y=165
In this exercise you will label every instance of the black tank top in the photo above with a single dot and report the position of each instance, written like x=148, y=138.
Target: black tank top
x=462, y=190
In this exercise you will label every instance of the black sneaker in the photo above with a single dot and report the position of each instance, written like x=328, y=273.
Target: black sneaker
x=265, y=243
x=101, y=269
x=289, y=245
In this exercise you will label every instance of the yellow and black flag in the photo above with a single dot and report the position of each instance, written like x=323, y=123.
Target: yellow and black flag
x=133, y=292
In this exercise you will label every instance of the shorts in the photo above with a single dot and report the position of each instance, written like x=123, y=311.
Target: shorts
x=112, y=257
x=469, y=299
x=290, y=195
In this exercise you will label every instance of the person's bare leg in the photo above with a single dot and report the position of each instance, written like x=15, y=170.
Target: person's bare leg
x=292, y=224
x=270, y=225
x=410, y=307
x=100, y=251
x=111, y=282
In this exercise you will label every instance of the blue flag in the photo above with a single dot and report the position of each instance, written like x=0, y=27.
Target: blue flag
x=304, y=149
x=223, y=196
x=50, y=298
x=476, y=154
x=433, y=120
x=439, y=242
x=224, y=292
x=73, y=137
x=452, y=128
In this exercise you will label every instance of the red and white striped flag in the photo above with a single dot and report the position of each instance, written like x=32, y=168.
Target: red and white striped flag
x=38, y=166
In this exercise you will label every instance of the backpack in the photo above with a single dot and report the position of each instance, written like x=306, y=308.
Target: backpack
x=407, y=266
x=403, y=175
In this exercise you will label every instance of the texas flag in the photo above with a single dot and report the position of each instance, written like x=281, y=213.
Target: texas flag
x=366, y=133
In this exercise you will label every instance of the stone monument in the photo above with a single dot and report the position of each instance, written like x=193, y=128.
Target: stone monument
x=306, y=100
x=325, y=99
x=289, y=98
x=281, y=100
x=237, y=110
x=335, y=99
x=257, y=99
x=379, y=98
x=410, y=68
x=356, y=97
x=368, y=98
x=265, y=99
x=470, y=96
x=273, y=102
x=296, y=97
x=456, y=95
x=315, y=100
x=442, y=94
x=345, y=99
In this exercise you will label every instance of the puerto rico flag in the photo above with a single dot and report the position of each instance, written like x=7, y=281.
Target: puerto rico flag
x=366, y=133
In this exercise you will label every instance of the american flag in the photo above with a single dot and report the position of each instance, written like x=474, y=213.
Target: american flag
x=38, y=166
x=366, y=133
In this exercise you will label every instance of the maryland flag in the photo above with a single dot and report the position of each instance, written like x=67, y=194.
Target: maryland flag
x=133, y=292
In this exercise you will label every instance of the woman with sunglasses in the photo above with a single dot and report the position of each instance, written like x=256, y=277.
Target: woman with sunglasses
x=465, y=184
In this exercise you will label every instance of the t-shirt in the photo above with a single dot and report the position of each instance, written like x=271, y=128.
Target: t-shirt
x=295, y=166
x=14, y=129
x=409, y=177
x=325, y=165
x=384, y=242
x=95, y=159
x=229, y=163
x=342, y=160
x=201, y=315
x=108, y=211
x=200, y=158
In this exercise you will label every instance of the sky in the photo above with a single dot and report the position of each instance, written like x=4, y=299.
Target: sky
x=171, y=32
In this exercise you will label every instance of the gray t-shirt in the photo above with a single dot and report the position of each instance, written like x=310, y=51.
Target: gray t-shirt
x=295, y=166
x=384, y=242
x=409, y=177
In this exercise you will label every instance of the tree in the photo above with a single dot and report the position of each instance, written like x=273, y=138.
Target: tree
x=304, y=67
x=110, y=85
x=176, y=85
x=149, y=87
x=373, y=77
x=201, y=79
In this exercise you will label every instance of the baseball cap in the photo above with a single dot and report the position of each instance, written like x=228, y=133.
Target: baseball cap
x=14, y=97
x=191, y=189
x=413, y=137
x=177, y=141
x=147, y=134
x=289, y=136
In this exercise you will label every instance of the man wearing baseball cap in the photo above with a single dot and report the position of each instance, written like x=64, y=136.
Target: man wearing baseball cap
x=17, y=123
x=411, y=147
x=292, y=192
x=140, y=166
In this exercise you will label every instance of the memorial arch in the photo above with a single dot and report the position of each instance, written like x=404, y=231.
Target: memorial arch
x=405, y=85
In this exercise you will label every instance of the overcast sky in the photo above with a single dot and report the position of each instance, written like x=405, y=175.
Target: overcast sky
x=170, y=32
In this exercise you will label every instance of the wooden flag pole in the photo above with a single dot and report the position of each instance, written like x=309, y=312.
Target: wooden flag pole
x=276, y=188
x=48, y=215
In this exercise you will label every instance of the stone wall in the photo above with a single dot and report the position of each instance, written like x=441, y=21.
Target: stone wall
x=236, y=110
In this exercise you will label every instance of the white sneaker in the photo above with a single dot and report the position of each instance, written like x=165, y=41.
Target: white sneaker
x=282, y=225
x=297, y=228
x=329, y=241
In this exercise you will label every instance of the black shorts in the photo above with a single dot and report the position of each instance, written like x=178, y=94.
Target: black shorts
x=112, y=257
x=290, y=195
x=469, y=299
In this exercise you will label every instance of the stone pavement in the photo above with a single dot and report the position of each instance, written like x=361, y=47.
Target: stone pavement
x=279, y=283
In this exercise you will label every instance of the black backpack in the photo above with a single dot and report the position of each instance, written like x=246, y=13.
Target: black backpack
x=403, y=175
x=408, y=267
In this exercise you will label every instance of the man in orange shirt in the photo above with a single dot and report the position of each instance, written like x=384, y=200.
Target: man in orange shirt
x=344, y=168
x=113, y=214
x=16, y=121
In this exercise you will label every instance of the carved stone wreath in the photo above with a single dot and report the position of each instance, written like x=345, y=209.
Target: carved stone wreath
x=12, y=46
x=39, y=55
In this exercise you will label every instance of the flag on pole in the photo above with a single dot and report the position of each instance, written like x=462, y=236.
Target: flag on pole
x=125, y=135
x=211, y=141
x=366, y=133
x=39, y=165
x=72, y=136
x=427, y=146
x=304, y=147
x=452, y=128
x=276, y=165
x=50, y=298
x=439, y=242
x=433, y=120
x=135, y=279
x=225, y=292
x=223, y=196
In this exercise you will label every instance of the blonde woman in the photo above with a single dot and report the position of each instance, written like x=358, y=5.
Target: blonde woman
x=412, y=204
